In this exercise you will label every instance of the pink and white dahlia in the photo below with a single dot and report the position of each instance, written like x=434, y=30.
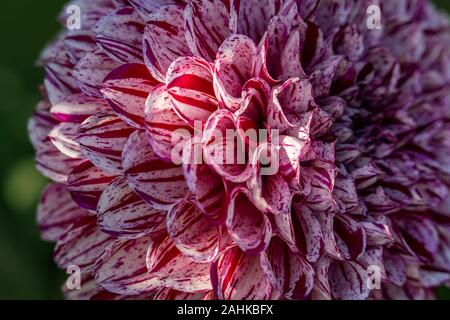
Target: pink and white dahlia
x=148, y=198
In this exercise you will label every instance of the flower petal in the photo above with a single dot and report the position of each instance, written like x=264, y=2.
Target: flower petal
x=249, y=227
x=224, y=149
x=350, y=237
x=77, y=108
x=64, y=136
x=102, y=138
x=254, y=17
x=119, y=35
x=126, y=89
x=239, y=276
x=348, y=281
x=123, y=214
x=207, y=26
x=175, y=270
x=170, y=294
x=82, y=245
x=289, y=101
x=159, y=183
x=40, y=124
x=164, y=39
x=269, y=62
x=53, y=164
x=193, y=235
x=91, y=70
x=60, y=81
x=86, y=183
x=287, y=271
x=378, y=232
x=121, y=269
x=167, y=132
x=395, y=267
x=420, y=234
x=232, y=69
x=207, y=186
x=190, y=85
x=309, y=238
x=56, y=212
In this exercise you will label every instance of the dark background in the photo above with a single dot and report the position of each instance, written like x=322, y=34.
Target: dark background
x=26, y=267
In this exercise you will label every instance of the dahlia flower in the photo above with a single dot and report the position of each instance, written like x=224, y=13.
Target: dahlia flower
x=362, y=159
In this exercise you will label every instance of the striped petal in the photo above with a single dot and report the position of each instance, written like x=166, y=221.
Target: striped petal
x=256, y=95
x=126, y=89
x=239, y=276
x=190, y=85
x=206, y=185
x=395, y=266
x=91, y=70
x=322, y=290
x=60, y=81
x=309, y=237
x=249, y=227
x=348, y=281
x=167, y=132
x=378, y=232
x=159, y=183
x=53, y=164
x=330, y=245
x=232, y=69
x=254, y=17
x=292, y=150
x=123, y=214
x=224, y=150
x=119, y=35
x=77, y=108
x=268, y=64
x=290, y=63
x=207, y=26
x=345, y=193
x=40, y=124
x=270, y=191
x=78, y=43
x=290, y=100
x=321, y=176
x=102, y=138
x=122, y=270
x=64, y=137
x=350, y=237
x=56, y=212
x=146, y=7
x=193, y=235
x=170, y=294
x=420, y=234
x=82, y=245
x=175, y=270
x=164, y=39
x=86, y=183
x=323, y=76
x=274, y=195
x=287, y=271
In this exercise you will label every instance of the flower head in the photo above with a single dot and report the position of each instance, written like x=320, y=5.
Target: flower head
x=276, y=149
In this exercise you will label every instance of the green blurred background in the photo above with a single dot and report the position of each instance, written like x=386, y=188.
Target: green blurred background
x=26, y=267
